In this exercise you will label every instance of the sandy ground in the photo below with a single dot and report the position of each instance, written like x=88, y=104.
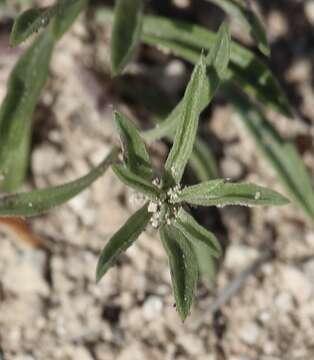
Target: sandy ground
x=50, y=305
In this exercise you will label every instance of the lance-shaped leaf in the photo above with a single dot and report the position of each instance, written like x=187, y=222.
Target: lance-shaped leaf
x=24, y=87
x=187, y=40
x=280, y=153
x=137, y=182
x=249, y=19
x=134, y=151
x=258, y=31
x=194, y=232
x=205, y=260
x=122, y=240
x=32, y=20
x=217, y=62
x=183, y=268
x=187, y=126
x=219, y=53
x=213, y=193
x=126, y=32
x=18, y=164
x=39, y=201
x=202, y=160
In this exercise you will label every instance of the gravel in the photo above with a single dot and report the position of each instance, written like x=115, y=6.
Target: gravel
x=50, y=305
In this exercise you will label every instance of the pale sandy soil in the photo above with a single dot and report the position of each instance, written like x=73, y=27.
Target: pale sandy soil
x=50, y=305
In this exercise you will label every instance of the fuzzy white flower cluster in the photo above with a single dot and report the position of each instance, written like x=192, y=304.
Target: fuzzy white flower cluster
x=174, y=193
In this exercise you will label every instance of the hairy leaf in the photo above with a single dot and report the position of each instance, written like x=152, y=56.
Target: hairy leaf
x=249, y=19
x=24, y=87
x=126, y=32
x=217, y=61
x=187, y=126
x=39, y=201
x=194, y=232
x=187, y=40
x=134, y=150
x=281, y=154
x=202, y=160
x=136, y=181
x=219, y=53
x=122, y=240
x=183, y=268
x=220, y=193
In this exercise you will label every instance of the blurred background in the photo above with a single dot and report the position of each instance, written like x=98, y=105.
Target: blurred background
x=260, y=303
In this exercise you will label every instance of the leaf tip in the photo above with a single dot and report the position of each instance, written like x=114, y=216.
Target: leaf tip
x=183, y=315
x=99, y=273
x=282, y=200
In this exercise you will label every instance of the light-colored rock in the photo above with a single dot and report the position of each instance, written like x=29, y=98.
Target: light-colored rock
x=295, y=282
x=81, y=207
x=284, y=302
x=278, y=25
x=46, y=160
x=23, y=277
x=152, y=307
x=135, y=349
x=239, y=256
x=309, y=238
x=192, y=344
x=231, y=168
x=309, y=272
x=78, y=352
x=182, y=4
x=249, y=333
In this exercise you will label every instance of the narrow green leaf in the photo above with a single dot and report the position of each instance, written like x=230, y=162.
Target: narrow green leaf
x=217, y=61
x=68, y=11
x=258, y=32
x=281, y=154
x=32, y=20
x=249, y=19
x=126, y=32
x=39, y=201
x=24, y=87
x=194, y=232
x=187, y=40
x=187, y=127
x=203, y=162
x=221, y=193
x=122, y=240
x=19, y=164
x=136, y=181
x=245, y=69
x=205, y=260
x=219, y=53
x=134, y=150
x=183, y=268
